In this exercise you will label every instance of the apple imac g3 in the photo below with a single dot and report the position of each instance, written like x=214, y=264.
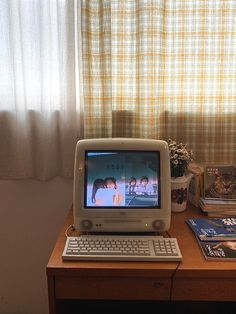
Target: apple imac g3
x=121, y=185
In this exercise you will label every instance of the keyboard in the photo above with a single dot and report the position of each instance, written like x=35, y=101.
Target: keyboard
x=121, y=248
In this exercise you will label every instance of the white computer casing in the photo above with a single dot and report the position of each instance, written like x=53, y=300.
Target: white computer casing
x=121, y=219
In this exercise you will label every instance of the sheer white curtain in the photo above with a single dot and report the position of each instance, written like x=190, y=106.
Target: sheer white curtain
x=40, y=87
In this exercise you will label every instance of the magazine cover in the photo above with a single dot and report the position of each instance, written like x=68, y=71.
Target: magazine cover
x=213, y=229
x=220, y=182
x=219, y=250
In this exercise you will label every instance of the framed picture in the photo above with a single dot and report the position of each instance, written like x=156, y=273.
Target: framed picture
x=220, y=182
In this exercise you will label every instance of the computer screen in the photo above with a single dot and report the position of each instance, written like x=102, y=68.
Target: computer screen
x=122, y=179
x=121, y=185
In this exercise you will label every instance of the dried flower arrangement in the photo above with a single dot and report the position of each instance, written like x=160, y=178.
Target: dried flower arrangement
x=180, y=157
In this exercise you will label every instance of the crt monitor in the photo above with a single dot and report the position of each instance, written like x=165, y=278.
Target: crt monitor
x=121, y=185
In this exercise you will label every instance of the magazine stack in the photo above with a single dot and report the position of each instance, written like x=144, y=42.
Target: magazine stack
x=219, y=198
x=216, y=237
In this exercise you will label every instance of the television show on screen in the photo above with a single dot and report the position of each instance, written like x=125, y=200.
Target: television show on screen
x=122, y=179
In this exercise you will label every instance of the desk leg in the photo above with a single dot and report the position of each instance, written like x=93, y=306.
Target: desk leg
x=51, y=295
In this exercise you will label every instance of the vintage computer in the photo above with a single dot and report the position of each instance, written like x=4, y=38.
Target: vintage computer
x=121, y=192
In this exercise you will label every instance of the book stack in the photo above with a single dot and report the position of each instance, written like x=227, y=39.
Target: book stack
x=216, y=237
x=218, y=207
x=219, y=197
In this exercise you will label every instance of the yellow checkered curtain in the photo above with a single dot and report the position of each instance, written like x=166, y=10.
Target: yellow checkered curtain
x=159, y=69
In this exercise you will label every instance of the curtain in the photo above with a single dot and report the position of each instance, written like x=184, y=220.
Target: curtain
x=108, y=68
x=160, y=69
x=41, y=111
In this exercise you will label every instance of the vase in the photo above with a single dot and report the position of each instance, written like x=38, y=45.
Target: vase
x=179, y=192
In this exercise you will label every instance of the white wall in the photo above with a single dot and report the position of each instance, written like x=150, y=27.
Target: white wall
x=31, y=216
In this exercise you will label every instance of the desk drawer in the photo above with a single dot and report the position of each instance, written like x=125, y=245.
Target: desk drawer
x=204, y=289
x=126, y=288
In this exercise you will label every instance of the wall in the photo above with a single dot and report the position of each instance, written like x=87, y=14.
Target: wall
x=31, y=216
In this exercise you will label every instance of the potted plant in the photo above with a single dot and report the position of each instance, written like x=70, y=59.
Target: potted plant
x=180, y=157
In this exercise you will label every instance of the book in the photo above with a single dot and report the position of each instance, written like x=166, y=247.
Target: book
x=218, y=208
x=213, y=229
x=226, y=213
x=216, y=205
x=220, y=251
x=217, y=202
x=220, y=182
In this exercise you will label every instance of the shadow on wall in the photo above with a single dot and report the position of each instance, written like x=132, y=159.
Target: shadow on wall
x=32, y=214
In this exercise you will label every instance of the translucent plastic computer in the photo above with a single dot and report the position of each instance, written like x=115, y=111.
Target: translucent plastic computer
x=121, y=185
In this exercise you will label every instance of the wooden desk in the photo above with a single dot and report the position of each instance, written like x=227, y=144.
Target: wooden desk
x=192, y=279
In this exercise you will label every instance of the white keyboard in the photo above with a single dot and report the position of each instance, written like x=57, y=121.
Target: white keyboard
x=121, y=248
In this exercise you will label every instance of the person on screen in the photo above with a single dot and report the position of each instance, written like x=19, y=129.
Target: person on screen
x=101, y=196
x=97, y=184
x=106, y=193
x=145, y=188
x=132, y=187
x=114, y=192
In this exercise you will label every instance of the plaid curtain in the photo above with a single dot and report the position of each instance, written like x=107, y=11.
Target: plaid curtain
x=160, y=69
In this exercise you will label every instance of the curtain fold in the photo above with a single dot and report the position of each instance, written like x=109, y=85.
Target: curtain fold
x=159, y=69
x=40, y=104
x=122, y=53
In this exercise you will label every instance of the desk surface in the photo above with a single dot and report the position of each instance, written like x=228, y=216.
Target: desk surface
x=192, y=279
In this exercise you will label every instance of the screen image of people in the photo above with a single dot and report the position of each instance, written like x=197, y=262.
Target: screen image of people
x=141, y=188
x=105, y=192
x=122, y=179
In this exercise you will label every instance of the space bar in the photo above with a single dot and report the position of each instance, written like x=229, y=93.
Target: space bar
x=93, y=252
